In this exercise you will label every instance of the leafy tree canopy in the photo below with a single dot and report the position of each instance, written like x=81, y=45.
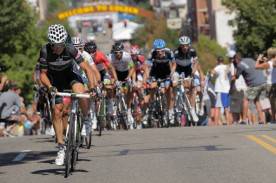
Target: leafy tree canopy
x=256, y=25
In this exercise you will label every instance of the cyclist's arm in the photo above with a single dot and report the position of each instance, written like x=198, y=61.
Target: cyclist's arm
x=89, y=73
x=109, y=66
x=96, y=72
x=44, y=78
x=132, y=72
x=146, y=72
x=44, y=68
x=113, y=72
x=173, y=66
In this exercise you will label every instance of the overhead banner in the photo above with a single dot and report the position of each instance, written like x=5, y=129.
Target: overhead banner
x=104, y=8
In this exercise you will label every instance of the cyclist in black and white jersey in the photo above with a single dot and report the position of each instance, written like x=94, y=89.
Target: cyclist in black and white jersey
x=125, y=71
x=56, y=65
x=187, y=63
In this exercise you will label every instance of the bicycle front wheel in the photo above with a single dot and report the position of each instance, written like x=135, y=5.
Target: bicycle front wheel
x=69, y=145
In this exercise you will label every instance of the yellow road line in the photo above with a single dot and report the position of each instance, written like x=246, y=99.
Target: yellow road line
x=262, y=143
x=269, y=138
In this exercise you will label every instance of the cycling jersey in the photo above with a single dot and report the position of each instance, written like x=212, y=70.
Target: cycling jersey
x=184, y=61
x=161, y=66
x=139, y=63
x=60, y=67
x=87, y=57
x=101, y=60
x=122, y=65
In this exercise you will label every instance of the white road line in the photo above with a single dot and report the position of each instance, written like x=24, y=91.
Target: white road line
x=21, y=155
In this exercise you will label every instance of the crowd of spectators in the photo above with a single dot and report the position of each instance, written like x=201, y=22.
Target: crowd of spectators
x=15, y=118
x=245, y=89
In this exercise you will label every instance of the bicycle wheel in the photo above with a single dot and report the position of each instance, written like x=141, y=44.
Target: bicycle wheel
x=88, y=140
x=164, y=117
x=101, y=116
x=69, y=146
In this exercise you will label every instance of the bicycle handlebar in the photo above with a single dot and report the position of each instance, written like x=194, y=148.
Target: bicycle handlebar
x=76, y=95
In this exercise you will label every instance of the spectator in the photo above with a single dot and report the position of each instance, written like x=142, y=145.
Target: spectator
x=271, y=77
x=255, y=81
x=238, y=99
x=11, y=107
x=222, y=87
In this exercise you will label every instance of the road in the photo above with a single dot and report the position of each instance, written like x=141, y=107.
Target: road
x=237, y=154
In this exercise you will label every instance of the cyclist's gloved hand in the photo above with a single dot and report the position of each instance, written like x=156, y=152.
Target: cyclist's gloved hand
x=36, y=87
x=117, y=83
x=53, y=89
x=92, y=91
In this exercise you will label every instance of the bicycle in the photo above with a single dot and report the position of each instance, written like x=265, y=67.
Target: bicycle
x=44, y=107
x=73, y=131
x=101, y=110
x=121, y=105
x=158, y=114
x=183, y=105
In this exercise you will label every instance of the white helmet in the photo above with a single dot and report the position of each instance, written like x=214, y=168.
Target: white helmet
x=57, y=34
x=77, y=42
x=184, y=40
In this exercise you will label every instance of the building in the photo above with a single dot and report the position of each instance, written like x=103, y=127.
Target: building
x=41, y=7
x=175, y=11
x=210, y=17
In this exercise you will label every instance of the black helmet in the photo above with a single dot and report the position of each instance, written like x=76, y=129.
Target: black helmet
x=118, y=46
x=90, y=47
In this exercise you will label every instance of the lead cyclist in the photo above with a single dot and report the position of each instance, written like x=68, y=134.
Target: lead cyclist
x=56, y=60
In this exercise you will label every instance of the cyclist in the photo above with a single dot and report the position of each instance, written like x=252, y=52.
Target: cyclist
x=163, y=67
x=56, y=64
x=102, y=63
x=78, y=43
x=142, y=73
x=187, y=63
x=125, y=71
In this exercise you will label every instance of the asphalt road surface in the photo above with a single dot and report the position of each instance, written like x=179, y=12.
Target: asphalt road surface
x=237, y=154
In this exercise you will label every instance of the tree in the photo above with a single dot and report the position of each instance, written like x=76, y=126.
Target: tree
x=208, y=50
x=256, y=25
x=155, y=28
x=19, y=42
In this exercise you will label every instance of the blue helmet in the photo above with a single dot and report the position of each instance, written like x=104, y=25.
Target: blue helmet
x=159, y=44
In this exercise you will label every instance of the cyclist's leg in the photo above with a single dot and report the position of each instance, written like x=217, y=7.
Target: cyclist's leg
x=57, y=121
x=170, y=103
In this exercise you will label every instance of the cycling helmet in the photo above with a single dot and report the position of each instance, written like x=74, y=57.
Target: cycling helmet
x=159, y=44
x=134, y=50
x=118, y=47
x=57, y=34
x=184, y=40
x=90, y=47
x=77, y=42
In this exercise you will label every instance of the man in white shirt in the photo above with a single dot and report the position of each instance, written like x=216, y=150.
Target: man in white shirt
x=222, y=87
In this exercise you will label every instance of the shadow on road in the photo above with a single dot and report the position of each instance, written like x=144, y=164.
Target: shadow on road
x=56, y=171
x=165, y=150
x=6, y=159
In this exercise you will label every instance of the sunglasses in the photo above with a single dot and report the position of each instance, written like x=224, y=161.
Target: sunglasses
x=117, y=52
x=58, y=45
x=160, y=51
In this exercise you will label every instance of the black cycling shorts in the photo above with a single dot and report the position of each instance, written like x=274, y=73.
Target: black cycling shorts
x=187, y=70
x=161, y=71
x=122, y=75
x=63, y=81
